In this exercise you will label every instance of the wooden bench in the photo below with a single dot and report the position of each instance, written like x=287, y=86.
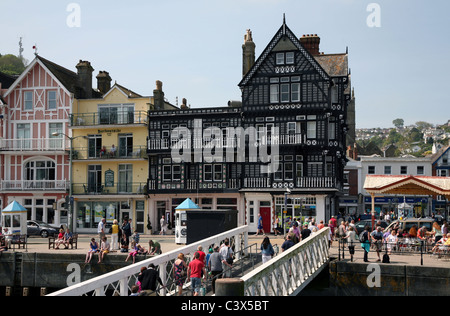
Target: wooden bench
x=19, y=240
x=73, y=242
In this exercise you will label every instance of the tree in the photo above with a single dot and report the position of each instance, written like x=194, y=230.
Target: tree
x=11, y=65
x=398, y=123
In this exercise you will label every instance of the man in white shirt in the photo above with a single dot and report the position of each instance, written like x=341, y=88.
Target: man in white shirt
x=101, y=228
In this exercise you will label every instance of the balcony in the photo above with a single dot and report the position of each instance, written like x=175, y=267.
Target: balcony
x=117, y=188
x=263, y=183
x=34, y=185
x=33, y=144
x=115, y=118
x=106, y=153
x=227, y=142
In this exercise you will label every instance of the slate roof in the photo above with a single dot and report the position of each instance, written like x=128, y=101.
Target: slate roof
x=6, y=80
x=333, y=64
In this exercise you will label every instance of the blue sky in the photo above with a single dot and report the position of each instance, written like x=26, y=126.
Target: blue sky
x=399, y=69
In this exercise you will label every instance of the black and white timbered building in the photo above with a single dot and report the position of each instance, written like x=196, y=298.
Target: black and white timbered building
x=280, y=150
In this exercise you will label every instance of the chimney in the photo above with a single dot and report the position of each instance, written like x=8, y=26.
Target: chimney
x=85, y=71
x=311, y=43
x=158, y=96
x=184, y=105
x=103, y=82
x=248, y=53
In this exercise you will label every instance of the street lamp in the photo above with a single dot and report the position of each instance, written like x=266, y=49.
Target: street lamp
x=70, y=211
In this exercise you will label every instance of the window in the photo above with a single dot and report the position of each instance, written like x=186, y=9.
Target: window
x=420, y=170
x=280, y=58
x=274, y=93
x=285, y=92
x=290, y=58
x=125, y=145
x=51, y=100
x=94, y=145
x=288, y=171
x=94, y=179
x=311, y=129
x=387, y=169
x=212, y=172
x=403, y=170
x=40, y=170
x=295, y=92
x=24, y=135
x=331, y=130
x=299, y=166
x=28, y=101
x=116, y=114
x=125, y=178
x=371, y=170
x=291, y=128
x=55, y=141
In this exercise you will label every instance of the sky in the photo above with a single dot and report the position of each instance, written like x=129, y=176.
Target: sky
x=399, y=50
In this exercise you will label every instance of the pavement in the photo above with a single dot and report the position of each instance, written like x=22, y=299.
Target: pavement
x=167, y=242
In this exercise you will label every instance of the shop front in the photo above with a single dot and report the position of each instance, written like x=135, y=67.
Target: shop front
x=276, y=209
x=90, y=212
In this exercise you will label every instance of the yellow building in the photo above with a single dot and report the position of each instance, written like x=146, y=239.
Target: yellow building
x=110, y=163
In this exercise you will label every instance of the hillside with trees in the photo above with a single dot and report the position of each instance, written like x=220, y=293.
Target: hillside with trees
x=416, y=139
x=11, y=65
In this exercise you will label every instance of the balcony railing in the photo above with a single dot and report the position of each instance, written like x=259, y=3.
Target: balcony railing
x=135, y=152
x=33, y=144
x=247, y=183
x=117, y=188
x=227, y=142
x=108, y=118
x=33, y=185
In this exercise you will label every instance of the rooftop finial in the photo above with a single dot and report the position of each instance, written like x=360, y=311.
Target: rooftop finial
x=284, y=18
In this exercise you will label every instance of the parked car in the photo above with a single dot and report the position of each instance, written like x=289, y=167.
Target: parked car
x=38, y=228
x=368, y=222
x=409, y=222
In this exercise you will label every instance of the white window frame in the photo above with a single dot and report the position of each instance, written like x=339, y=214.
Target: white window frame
x=27, y=102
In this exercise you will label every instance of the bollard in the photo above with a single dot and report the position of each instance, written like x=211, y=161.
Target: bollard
x=229, y=287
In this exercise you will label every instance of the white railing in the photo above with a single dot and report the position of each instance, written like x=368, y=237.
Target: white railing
x=33, y=144
x=289, y=272
x=119, y=282
x=25, y=185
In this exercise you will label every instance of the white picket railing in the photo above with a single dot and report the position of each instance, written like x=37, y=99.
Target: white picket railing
x=289, y=272
x=119, y=282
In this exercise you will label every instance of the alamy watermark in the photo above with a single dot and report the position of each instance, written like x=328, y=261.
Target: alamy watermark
x=212, y=144
x=74, y=18
x=374, y=278
x=374, y=18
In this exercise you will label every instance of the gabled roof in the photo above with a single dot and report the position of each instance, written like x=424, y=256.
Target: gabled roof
x=439, y=154
x=283, y=33
x=409, y=185
x=68, y=79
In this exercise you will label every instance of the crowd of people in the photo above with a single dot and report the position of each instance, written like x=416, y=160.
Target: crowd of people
x=122, y=240
x=436, y=240
x=217, y=263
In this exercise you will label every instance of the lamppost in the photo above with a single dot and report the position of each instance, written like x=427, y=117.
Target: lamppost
x=70, y=210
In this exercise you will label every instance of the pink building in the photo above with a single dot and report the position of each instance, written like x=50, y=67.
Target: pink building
x=34, y=165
